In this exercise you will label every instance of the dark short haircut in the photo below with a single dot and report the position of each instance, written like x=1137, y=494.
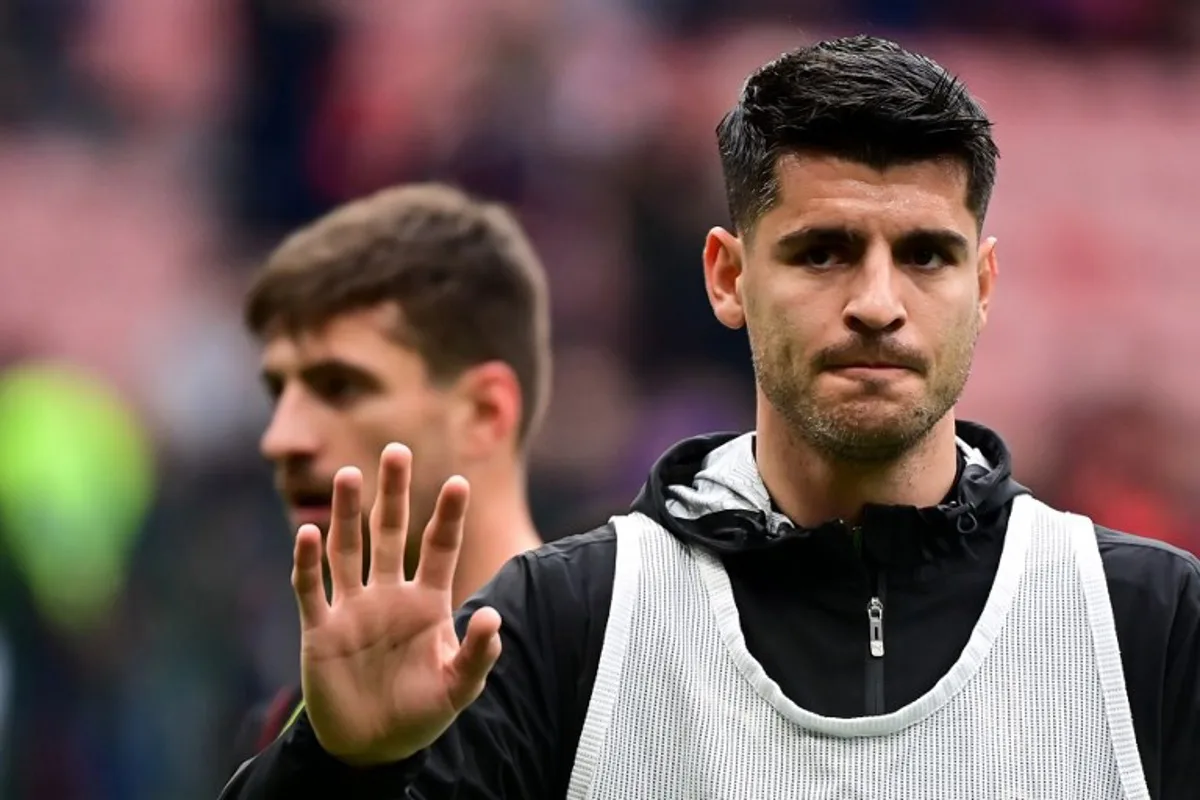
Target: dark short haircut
x=466, y=280
x=862, y=99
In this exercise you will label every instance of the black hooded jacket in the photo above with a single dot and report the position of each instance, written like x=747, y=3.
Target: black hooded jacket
x=802, y=597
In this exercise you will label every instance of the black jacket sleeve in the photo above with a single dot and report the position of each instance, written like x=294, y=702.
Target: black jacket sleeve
x=1181, y=690
x=518, y=740
x=1155, y=593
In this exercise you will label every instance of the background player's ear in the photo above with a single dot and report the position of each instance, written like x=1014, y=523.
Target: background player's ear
x=722, y=274
x=488, y=409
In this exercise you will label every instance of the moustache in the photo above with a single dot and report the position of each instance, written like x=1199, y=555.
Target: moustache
x=881, y=352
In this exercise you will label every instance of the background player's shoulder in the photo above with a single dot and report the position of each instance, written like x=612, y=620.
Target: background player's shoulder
x=263, y=723
x=280, y=713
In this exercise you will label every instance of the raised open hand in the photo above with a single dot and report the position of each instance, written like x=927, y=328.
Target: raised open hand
x=382, y=669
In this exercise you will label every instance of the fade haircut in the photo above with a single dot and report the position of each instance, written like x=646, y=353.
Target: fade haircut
x=862, y=99
x=467, y=282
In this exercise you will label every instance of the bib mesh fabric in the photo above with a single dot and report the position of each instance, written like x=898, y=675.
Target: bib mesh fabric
x=1034, y=709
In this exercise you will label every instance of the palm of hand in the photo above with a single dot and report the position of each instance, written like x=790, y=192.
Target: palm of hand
x=382, y=669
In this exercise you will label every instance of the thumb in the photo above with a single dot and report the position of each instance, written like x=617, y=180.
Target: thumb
x=475, y=658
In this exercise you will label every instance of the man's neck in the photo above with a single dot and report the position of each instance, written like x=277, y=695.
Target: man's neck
x=498, y=527
x=810, y=488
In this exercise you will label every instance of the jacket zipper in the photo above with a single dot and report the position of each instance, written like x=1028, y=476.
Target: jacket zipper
x=874, y=695
x=875, y=642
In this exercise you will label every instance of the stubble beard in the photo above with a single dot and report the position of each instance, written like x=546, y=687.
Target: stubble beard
x=855, y=432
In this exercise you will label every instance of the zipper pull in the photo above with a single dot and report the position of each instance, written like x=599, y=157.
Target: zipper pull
x=875, y=618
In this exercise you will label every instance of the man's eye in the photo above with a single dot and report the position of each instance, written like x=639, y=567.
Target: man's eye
x=926, y=259
x=336, y=391
x=821, y=258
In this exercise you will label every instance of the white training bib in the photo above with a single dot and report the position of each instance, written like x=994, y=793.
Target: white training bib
x=1034, y=709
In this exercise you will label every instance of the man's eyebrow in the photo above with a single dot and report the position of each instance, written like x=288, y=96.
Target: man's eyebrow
x=830, y=235
x=807, y=236
x=316, y=369
x=940, y=237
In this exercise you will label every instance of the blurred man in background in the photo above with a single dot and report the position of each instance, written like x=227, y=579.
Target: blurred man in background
x=416, y=315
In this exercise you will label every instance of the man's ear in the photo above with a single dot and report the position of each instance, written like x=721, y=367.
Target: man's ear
x=488, y=409
x=987, y=270
x=723, y=259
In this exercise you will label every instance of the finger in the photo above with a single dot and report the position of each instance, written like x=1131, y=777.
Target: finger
x=389, y=515
x=307, y=578
x=479, y=652
x=345, y=534
x=443, y=536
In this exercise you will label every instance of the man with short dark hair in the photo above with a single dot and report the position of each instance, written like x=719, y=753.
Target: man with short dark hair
x=419, y=315
x=854, y=600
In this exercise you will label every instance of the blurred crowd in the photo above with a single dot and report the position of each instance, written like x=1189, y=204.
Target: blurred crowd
x=150, y=151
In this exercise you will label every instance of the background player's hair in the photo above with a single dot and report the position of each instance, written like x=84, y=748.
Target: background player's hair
x=859, y=98
x=469, y=286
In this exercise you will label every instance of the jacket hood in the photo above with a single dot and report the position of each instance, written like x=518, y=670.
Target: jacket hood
x=707, y=491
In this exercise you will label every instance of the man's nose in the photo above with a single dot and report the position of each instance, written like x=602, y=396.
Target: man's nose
x=290, y=434
x=875, y=306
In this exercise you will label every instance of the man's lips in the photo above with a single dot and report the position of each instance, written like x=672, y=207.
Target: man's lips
x=309, y=506
x=867, y=367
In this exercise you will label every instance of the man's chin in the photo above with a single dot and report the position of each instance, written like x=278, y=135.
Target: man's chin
x=868, y=431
